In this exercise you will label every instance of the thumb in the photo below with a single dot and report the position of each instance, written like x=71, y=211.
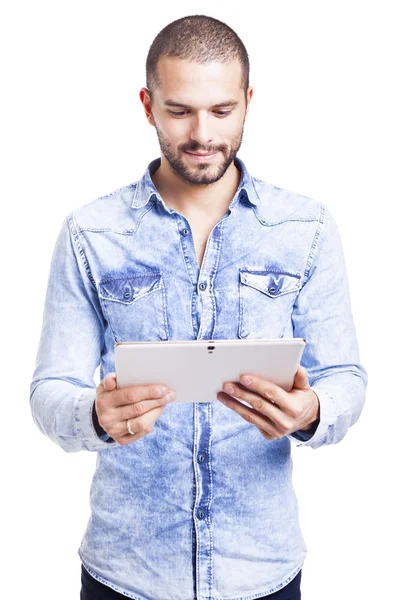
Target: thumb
x=110, y=382
x=301, y=379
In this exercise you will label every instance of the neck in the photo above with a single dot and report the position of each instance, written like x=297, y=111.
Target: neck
x=186, y=198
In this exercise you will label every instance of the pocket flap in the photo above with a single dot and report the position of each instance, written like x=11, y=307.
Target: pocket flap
x=130, y=288
x=272, y=283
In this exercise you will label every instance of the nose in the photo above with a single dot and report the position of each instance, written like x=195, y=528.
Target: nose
x=201, y=132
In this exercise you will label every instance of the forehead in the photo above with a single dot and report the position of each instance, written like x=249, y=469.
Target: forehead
x=193, y=83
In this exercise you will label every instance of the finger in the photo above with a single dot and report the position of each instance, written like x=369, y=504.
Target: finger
x=125, y=440
x=117, y=414
x=132, y=411
x=110, y=382
x=262, y=405
x=137, y=393
x=279, y=417
x=265, y=434
x=250, y=415
x=259, y=402
x=142, y=425
x=301, y=379
x=270, y=391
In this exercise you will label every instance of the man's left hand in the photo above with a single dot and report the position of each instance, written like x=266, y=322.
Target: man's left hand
x=274, y=411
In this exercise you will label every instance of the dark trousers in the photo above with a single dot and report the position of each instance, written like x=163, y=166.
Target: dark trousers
x=94, y=590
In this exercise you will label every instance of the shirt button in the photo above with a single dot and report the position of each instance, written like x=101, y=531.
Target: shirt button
x=201, y=457
x=272, y=289
x=185, y=231
x=203, y=285
x=201, y=514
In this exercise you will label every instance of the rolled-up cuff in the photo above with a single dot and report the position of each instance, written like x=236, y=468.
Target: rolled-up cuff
x=84, y=422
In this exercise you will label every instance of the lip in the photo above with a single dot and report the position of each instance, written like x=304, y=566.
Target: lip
x=201, y=157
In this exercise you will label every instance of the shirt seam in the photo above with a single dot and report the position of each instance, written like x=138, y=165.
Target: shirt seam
x=313, y=249
x=151, y=205
x=75, y=237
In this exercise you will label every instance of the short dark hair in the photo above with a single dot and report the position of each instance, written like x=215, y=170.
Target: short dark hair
x=200, y=39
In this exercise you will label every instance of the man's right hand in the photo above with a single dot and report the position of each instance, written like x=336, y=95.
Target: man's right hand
x=141, y=404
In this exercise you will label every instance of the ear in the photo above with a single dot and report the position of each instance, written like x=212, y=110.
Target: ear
x=249, y=97
x=144, y=96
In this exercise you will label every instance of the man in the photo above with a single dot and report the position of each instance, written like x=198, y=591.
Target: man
x=195, y=501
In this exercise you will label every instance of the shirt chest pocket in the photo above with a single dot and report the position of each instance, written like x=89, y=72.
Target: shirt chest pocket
x=266, y=301
x=135, y=307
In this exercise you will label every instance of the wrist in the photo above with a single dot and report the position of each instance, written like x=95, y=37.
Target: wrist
x=313, y=424
x=101, y=433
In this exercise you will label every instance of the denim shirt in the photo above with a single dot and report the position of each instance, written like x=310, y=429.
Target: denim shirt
x=202, y=507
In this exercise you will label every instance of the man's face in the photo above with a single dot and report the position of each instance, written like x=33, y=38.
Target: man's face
x=199, y=109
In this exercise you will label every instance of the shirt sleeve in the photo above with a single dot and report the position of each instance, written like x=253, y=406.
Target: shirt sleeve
x=62, y=391
x=322, y=316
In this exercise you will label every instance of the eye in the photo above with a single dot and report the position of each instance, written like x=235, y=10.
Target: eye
x=219, y=113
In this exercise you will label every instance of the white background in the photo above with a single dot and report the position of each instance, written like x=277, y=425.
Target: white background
x=324, y=123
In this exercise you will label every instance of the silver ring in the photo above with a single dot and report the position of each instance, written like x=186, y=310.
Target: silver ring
x=128, y=426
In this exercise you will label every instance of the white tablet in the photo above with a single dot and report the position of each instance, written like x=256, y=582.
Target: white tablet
x=197, y=369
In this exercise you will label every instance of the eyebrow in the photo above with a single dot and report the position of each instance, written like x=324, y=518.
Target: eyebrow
x=227, y=103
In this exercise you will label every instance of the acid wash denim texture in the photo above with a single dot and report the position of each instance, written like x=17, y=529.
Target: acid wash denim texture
x=203, y=507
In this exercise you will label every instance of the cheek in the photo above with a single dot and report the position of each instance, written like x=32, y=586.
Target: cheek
x=235, y=127
x=229, y=129
x=176, y=131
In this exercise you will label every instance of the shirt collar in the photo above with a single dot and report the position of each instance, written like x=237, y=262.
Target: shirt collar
x=146, y=190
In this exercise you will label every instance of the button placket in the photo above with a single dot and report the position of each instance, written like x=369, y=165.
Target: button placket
x=201, y=514
x=203, y=497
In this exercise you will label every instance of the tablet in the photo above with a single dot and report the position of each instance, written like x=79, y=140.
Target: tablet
x=197, y=369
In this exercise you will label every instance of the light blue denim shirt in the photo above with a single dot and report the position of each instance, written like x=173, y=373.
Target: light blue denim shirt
x=203, y=507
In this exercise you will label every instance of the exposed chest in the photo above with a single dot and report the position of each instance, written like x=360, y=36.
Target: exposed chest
x=201, y=231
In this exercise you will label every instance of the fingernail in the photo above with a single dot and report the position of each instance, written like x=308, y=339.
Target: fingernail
x=161, y=390
x=170, y=397
x=246, y=380
x=229, y=389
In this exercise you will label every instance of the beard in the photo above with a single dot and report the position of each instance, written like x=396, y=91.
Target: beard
x=199, y=174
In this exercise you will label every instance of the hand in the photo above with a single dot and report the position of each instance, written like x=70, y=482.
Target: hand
x=276, y=412
x=141, y=404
